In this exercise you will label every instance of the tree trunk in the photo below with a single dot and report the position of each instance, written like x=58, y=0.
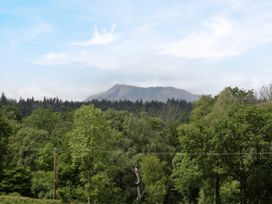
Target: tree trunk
x=217, y=199
x=243, y=191
x=137, y=174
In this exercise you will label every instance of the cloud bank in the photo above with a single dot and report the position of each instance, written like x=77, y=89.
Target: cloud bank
x=100, y=37
x=222, y=37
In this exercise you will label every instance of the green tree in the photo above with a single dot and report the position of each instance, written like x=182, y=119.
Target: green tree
x=25, y=145
x=140, y=135
x=5, y=131
x=16, y=180
x=41, y=184
x=199, y=139
x=90, y=140
x=187, y=175
x=244, y=136
x=154, y=178
x=44, y=119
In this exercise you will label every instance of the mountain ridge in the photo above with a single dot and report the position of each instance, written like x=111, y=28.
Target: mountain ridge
x=135, y=93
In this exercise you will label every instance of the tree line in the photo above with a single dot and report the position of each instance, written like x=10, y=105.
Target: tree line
x=217, y=151
x=169, y=110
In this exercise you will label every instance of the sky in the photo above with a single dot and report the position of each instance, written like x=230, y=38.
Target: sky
x=76, y=48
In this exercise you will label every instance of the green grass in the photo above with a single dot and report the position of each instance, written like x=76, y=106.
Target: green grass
x=25, y=200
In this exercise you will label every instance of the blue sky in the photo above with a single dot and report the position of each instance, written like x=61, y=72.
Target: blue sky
x=76, y=48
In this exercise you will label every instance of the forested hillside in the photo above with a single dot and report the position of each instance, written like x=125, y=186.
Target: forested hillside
x=170, y=110
x=217, y=150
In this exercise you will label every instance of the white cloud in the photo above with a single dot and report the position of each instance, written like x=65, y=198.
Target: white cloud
x=101, y=37
x=80, y=57
x=222, y=37
x=203, y=44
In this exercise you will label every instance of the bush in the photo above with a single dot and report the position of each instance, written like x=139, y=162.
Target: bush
x=16, y=180
x=25, y=200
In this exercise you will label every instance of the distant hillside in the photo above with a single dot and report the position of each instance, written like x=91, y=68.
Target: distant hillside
x=134, y=93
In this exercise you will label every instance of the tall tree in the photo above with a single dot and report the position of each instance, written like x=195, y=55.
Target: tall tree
x=244, y=136
x=91, y=140
x=154, y=179
x=5, y=131
x=198, y=139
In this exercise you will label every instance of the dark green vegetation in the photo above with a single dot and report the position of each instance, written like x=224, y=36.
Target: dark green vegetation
x=170, y=110
x=25, y=200
x=220, y=152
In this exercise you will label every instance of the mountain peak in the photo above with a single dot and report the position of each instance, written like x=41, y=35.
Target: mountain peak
x=134, y=93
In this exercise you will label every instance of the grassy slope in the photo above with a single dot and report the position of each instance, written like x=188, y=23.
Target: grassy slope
x=25, y=200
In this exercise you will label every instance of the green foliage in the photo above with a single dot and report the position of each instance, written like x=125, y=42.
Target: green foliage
x=219, y=153
x=25, y=144
x=103, y=190
x=5, y=131
x=201, y=108
x=147, y=134
x=90, y=133
x=168, y=111
x=41, y=184
x=25, y=200
x=246, y=132
x=187, y=173
x=44, y=119
x=225, y=136
x=154, y=178
x=44, y=158
x=16, y=180
x=230, y=192
x=90, y=139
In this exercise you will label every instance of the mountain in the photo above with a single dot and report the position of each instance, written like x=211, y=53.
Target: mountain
x=134, y=93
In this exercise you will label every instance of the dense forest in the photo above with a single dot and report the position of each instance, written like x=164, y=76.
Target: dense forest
x=216, y=150
x=171, y=110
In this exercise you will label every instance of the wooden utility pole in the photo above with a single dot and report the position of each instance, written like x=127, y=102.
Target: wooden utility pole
x=55, y=174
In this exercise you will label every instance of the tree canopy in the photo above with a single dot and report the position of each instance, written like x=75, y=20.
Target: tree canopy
x=216, y=150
